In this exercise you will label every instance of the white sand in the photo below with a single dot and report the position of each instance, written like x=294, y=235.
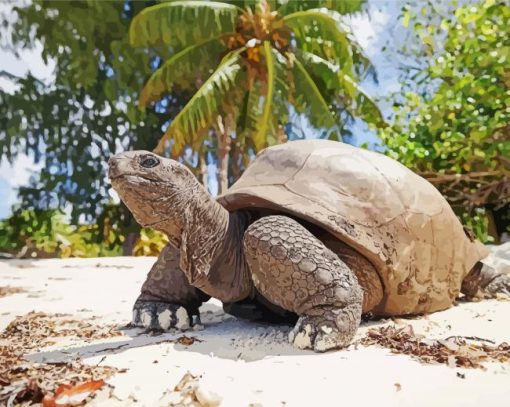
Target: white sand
x=244, y=363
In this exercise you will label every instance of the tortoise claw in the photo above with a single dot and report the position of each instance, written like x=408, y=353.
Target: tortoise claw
x=156, y=315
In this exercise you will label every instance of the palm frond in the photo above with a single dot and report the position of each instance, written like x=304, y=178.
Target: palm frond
x=365, y=107
x=340, y=6
x=260, y=136
x=322, y=32
x=309, y=100
x=182, y=23
x=252, y=108
x=354, y=98
x=265, y=106
x=183, y=69
x=320, y=69
x=202, y=109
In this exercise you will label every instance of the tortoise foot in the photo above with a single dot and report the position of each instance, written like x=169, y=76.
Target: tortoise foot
x=499, y=285
x=320, y=334
x=158, y=315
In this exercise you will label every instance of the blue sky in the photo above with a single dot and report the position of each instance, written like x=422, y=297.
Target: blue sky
x=374, y=30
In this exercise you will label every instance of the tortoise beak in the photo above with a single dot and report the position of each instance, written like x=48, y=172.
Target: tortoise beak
x=117, y=166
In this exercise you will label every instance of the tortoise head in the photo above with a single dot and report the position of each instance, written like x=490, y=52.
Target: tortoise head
x=156, y=190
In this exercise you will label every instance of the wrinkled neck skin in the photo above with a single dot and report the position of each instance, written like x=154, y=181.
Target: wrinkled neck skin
x=210, y=240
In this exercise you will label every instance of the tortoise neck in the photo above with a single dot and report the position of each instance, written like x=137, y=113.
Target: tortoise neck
x=204, y=226
x=211, y=250
x=229, y=276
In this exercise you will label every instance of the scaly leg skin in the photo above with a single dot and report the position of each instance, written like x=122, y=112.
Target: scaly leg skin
x=366, y=273
x=485, y=280
x=167, y=299
x=295, y=271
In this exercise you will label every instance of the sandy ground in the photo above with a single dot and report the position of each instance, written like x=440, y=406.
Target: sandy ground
x=246, y=364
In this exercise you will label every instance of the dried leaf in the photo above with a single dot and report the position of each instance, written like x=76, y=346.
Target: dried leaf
x=9, y=290
x=187, y=340
x=67, y=395
x=31, y=393
x=49, y=401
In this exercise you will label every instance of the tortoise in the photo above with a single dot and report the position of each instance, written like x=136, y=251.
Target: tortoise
x=314, y=232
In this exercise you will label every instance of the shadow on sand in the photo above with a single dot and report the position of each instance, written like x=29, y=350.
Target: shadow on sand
x=224, y=337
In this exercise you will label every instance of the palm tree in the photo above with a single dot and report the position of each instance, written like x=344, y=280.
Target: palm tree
x=249, y=65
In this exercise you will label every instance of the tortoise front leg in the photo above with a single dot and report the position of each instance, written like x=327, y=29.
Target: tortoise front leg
x=295, y=271
x=167, y=299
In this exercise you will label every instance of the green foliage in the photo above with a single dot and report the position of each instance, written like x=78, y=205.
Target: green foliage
x=182, y=70
x=310, y=99
x=478, y=223
x=90, y=111
x=461, y=125
x=253, y=58
x=47, y=234
x=202, y=109
x=264, y=120
x=150, y=243
x=322, y=32
x=340, y=6
x=175, y=23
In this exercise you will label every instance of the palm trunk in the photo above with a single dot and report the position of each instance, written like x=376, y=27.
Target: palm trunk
x=131, y=231
x=280, y=134
x=203, y=170
x=237, y=161
x=129, y=243
x=224, y=141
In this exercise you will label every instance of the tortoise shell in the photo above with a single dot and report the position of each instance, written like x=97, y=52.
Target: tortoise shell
x=389, y=214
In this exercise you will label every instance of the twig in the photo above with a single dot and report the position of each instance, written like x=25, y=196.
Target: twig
x=471, y=338
x=101, y=361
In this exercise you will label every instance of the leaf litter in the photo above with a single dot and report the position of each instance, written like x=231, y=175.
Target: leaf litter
x=454, y=351
x=53, y=383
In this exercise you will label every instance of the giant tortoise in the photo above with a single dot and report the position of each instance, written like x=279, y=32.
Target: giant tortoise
x=314, y=230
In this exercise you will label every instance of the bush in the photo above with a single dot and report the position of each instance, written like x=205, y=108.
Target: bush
x=150, y=243
x=29, y=233
x=456, y=132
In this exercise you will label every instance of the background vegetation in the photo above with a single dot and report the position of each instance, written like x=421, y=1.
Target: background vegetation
x=212, y=83
x=454, y=128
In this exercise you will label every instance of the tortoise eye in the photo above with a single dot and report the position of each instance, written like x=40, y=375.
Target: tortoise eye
x=149, y=162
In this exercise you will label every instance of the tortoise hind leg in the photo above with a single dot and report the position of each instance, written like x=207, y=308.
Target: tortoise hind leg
x=486, y=280
x=294, y=270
